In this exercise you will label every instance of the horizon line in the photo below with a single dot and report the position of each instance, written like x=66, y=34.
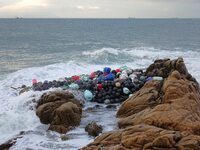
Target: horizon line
x=20, y=17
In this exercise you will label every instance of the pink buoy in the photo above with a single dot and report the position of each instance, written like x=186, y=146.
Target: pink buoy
x=75, y=78
x=118, y=70
x=34, y=81
x=92, y=75
x=99, y=87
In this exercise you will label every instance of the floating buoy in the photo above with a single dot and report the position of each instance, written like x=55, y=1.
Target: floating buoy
x=65, y=87
x=130, y=95
x=118, y=70
x=88, y=95
x=126, y=90
x=124, y=68
x=34, y=81
x=92, y=75
x=99, y=87
x=158, y=78
x=142, y=78
x=118, y=84
x=74, y=86
x=75, y=78
x=106, y=70
x=109, y=77
x=132, y=76
x=149, y=79
x=84, y=77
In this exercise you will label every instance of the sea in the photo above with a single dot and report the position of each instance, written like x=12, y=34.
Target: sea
x=49, y=49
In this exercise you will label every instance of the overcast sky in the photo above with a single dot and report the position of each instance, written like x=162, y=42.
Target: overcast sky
x=100, y=8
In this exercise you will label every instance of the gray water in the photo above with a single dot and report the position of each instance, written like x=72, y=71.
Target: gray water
x=37, y=42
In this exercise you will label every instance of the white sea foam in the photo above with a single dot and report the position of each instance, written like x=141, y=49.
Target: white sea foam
x=101, y=52
x=16, y=115
x=143, y=56
x=17, y=111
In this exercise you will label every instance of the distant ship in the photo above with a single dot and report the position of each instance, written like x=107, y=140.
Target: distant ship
x=131, y=17
x=19, y=17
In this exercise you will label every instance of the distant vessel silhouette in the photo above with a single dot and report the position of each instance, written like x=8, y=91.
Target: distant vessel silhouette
x=19, y=17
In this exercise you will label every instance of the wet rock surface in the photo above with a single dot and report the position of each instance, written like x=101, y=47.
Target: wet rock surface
x=59, y=109
x=164, y=67
x=161, y=115
x=8, y=144
x=93, y=129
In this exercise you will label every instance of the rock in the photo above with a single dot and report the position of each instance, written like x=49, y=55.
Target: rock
x=64, y=137
x=163, y=67
x=24, y=89
x=161, y=115
x=142, y=99
x=67, y=116
x=93, y=109
x=89, y=109
x=59, y=109
x=8, y=144
x=93, y=129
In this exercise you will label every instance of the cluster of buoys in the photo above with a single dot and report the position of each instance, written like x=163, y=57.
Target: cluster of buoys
x=39, y=86
x=118, y=90
x=107, y=86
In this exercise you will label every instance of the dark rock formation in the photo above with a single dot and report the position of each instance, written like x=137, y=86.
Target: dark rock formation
x=59, y=109
x=93, y=129
x=24, y=89
x=163, y=67
x=8, y=144
x=111, y=106
x=163, y=115
x=93, y=109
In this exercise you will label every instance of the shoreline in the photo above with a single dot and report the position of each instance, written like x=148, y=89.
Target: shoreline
x=101, y=109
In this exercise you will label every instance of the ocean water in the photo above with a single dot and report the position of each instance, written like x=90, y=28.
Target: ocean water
x=47, y=49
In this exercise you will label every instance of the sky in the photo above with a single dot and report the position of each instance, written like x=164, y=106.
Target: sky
x=100, y=8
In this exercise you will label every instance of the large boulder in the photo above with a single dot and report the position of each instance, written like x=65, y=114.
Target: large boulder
x=162, y=115
x=59, y=109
